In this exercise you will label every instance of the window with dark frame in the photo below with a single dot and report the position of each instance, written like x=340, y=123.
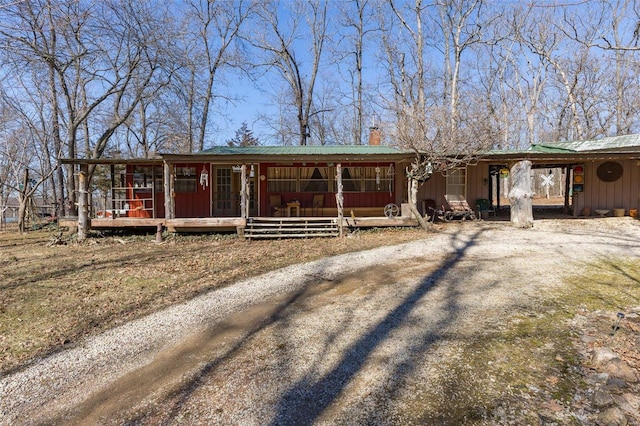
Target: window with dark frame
x=282, y=179
x=186, y=179
x=317, y=179
x=316, y=182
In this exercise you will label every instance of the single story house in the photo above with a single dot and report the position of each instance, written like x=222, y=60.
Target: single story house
x=233, y=187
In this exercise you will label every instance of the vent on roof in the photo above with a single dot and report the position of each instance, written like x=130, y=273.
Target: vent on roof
x=609, y=171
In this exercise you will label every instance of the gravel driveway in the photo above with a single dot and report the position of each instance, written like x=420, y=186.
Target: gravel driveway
x=353, y=339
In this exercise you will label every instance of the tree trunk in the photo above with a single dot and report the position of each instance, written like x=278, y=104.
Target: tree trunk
x=413, y=204
x=521, y=195
x=421, y=220
x=24, y=200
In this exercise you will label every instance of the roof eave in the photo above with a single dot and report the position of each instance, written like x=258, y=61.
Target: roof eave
x=288, y=158
x=109, y=161
x=570, y=157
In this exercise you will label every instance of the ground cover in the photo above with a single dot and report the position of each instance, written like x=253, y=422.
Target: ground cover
x=514, y=346
x=53, y=294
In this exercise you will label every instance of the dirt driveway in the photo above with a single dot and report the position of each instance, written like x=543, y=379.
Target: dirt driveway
x=362, y=338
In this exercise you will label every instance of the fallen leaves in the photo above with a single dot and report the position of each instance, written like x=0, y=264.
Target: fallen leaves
x=53, y=294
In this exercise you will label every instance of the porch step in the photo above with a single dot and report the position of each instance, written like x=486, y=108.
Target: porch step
x=290, y=227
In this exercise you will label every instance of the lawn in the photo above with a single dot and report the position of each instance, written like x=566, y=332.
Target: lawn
x=51, y=294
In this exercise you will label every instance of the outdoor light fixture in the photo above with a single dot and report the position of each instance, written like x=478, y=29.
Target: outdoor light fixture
x=252, y=172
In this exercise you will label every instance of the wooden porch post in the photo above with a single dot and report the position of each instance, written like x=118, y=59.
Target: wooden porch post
x=340, y=199
x=567, y=189
x=413, y=193
x=243, y=192
x=113, y=193
x=168, y=191
x=83, y=210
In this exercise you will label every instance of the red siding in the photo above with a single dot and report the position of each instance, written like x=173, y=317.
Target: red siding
x=194, y=204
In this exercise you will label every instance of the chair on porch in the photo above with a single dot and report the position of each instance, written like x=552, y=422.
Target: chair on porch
x=317, y=203
x=277, y=207
x=456, y=207
x=431, y=210
x=483, y=205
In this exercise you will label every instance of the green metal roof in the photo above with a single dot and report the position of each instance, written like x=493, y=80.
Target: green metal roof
x=610, y=145
x=614, y=143
x=303, y=150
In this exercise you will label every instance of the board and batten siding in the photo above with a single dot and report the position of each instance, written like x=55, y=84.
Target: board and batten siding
x=477, y=186
x=621, y=194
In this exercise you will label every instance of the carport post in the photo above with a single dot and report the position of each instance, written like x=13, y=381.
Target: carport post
x=567, y=189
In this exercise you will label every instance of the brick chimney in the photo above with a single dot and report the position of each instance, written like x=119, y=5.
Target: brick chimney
x=374, y=135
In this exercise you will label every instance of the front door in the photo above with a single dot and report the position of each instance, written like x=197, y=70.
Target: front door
x=226, y=192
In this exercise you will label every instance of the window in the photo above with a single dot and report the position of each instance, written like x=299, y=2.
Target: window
x=158, y=179
x=142, y=176
x=457, y=182
x=314, y=179
x=352, y=179
x=223, y=192
x=186, y=180
x=377, y=179
x=322, y=179
x=282, y=179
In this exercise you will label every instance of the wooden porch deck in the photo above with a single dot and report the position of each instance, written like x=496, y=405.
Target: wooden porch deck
x=212, y=224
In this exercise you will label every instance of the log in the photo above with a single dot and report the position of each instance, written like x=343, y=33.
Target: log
x=521, y=195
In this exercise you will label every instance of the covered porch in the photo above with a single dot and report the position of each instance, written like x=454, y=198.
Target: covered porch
x=225, y=189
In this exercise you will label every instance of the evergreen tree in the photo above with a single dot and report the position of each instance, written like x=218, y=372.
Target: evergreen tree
x=243, y=137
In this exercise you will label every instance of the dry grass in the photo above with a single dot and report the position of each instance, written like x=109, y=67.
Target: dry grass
x=524, y=370
x=530, y=363
x=53, y=295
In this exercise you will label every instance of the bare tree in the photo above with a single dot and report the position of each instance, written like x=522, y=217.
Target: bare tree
x=527, y=83
x=357, y=26
x=99, y=59
x=427, y=112
x=539, y=32
x=612, y=27
x=212, y=29
x=281, y=42
x=12, y=155
x=19, y=152
x=461, y=28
